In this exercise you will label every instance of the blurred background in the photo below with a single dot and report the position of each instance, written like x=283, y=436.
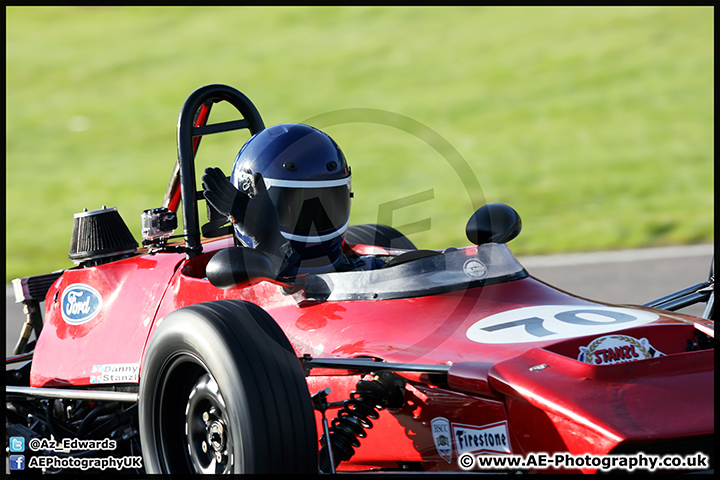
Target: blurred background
x=595, y=123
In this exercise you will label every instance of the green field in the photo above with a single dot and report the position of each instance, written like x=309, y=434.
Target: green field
x=595, y=123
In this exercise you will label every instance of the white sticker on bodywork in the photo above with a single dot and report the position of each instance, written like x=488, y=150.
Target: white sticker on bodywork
x=115, y=373
x=80, y=303
x=554, y=322
x=612, y=349
x=475, y=269
x=490, y=439
x=440, y=428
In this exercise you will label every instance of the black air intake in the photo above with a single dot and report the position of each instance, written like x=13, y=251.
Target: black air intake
x=100, y=236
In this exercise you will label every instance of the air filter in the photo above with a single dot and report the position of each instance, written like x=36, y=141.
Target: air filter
x=100, y=236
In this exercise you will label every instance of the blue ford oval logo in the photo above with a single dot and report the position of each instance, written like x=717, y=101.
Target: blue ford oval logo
x=80, y=303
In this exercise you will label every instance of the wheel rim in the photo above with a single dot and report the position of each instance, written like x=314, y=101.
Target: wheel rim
x=206, y=428
x=192, y=420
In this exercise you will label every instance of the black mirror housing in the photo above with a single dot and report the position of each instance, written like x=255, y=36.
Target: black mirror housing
x=239, y=267
x=493, y=223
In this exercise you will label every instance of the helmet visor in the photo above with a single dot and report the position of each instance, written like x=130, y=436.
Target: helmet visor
x=311, y=211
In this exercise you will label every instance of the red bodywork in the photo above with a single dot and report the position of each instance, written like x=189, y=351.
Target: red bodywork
x=531, y=368
x=536, y=391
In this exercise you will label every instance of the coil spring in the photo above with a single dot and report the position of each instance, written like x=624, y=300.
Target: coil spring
x=354, y=418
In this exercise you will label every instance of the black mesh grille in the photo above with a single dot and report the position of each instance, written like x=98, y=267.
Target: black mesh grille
x=39, y=285
x=34, y=288
x=100, y=233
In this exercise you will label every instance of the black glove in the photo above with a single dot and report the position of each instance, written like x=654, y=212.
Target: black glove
x=251, y=208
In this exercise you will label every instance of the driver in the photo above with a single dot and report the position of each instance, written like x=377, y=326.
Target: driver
x=289, y=197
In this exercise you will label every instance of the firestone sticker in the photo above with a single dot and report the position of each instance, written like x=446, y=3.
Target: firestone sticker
x=80, y=303
x=613, y=349
x=492, y=439
x=440, y=428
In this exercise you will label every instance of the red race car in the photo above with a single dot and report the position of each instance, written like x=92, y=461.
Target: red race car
x=194, y=356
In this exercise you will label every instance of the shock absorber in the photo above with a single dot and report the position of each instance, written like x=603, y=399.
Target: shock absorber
x=356, y=415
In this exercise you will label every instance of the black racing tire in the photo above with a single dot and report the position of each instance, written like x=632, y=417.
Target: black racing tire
x=379, y=235
x=221, y=391
x=711, y=300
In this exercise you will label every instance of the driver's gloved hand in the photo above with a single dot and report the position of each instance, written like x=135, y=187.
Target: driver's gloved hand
x=251, y=208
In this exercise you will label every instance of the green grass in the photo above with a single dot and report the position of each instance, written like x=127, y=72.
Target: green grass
x=596, y=124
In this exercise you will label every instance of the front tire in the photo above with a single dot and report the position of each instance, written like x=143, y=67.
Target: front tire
x=222, y=391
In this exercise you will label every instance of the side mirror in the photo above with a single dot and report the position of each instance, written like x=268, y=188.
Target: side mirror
x=239, y=267
x=493, y=223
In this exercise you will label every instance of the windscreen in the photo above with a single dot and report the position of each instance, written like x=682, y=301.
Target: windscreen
x=454, y=269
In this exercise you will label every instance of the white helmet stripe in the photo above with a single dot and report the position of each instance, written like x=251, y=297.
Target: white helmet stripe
x=316, y=238
x=276, y=182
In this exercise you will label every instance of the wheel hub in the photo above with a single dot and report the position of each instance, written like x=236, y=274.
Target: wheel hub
x=208, y=439
x=216, y=435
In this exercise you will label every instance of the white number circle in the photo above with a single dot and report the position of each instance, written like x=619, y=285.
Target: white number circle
x=554, y=322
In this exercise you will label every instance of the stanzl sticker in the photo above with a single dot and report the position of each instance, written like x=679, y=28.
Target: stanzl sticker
x=554, y=322
x=80, y=303
x=115, y=373
x=490, y=439
x=440, y=428
x=612, y=349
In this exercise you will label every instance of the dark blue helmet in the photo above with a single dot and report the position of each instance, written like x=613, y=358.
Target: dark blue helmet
x=308, y=181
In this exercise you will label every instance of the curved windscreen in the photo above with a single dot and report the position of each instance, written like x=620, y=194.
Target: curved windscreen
x=453, y=269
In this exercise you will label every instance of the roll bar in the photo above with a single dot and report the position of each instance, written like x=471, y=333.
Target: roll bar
x=192, y=125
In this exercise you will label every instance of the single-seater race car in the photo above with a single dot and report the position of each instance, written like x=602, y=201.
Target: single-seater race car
x=193, y=356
